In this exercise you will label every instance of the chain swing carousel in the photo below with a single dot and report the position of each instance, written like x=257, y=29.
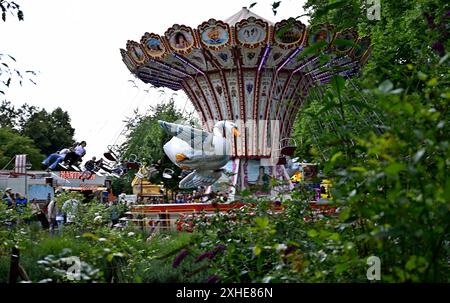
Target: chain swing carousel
x=247, y=73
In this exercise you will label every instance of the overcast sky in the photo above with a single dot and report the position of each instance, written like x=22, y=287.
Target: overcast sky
x=74, y=47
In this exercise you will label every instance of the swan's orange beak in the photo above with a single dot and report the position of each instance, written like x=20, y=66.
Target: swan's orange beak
x=235, y=132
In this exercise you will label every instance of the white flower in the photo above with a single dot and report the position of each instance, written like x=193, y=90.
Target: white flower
x=98, y=218
x=280, y=247
x=102, y=239
x=130, y=234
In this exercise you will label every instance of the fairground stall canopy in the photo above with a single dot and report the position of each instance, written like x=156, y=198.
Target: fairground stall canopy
x=248, y=70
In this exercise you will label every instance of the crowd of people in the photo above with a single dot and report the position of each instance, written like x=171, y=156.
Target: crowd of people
x=20, y=203
x=52, y=214
x=197, y=196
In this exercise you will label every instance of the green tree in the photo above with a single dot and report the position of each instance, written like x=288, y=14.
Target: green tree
x=384, y=141
x=12, y=143
x=13, y=117
x=8, y=114
x=50, y=131
x=122, y=184
x=145, y=139
x=406, y=31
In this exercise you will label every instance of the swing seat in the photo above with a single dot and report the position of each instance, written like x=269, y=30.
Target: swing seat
x=110, y=156
x=288, y=150
x=167, y=173
x=75, y=168
x=64, y=167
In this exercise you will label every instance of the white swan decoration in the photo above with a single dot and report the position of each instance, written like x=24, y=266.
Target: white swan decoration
x=194, y=149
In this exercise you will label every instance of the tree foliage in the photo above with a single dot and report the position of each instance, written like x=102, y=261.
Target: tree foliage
x=12, y=8
x=383, y=138
x=405, y=33
x=7, y=70
x=145, y=139
x=50, y=131
x=12, y=143
x=13, y=117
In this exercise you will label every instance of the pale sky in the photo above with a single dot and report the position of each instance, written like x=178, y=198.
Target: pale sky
x=74, y=47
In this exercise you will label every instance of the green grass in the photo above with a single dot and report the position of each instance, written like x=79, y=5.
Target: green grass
x=160, y=270
x=145, y=261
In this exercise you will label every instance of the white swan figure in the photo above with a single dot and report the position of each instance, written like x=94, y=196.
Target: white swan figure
x=194, y=149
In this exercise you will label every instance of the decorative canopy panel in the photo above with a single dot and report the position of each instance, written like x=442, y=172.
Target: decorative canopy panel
x=247, y=70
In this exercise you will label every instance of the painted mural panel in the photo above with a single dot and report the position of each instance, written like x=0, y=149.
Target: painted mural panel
x=264, y=93
x=250, y=57
x=321, y=32
x=127, y=60
x=276, y=56
x=153, y=46
x=221, y=94
x=209, y=98
x=135, y=52
x=197, y=58
x=176, y=63
x=251, y=34
x=249, y=88
x=224, y=57
x=289, y=33
x=215, y=35
x=180, y=38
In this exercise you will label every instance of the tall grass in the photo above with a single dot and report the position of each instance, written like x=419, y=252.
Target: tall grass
x=144, y=261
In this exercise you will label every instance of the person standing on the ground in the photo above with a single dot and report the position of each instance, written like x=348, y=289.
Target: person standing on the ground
x=51, y=215
x=70, y=208
x=21, y=201
x=21, y=204
x=59, y=219
x=8, y=197
x=114, y=213
x=90, y=167
x=35, y=209
x=39, y=214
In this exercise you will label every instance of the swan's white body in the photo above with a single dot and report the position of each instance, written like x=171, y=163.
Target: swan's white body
x=194, y=149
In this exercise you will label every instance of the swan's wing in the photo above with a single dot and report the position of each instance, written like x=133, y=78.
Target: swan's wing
x=196, y=138
x=209, y=161
x=199, y=178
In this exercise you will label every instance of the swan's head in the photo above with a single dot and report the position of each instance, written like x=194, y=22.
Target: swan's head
x=229, y=127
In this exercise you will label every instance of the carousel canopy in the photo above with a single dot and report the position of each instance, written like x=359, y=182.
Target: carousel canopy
x=246, y=69
x=244, y=13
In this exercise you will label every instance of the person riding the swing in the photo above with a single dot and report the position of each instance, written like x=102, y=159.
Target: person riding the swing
x=76, y=154
x=90, y=169
x=52, y=161
x=92, y=166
